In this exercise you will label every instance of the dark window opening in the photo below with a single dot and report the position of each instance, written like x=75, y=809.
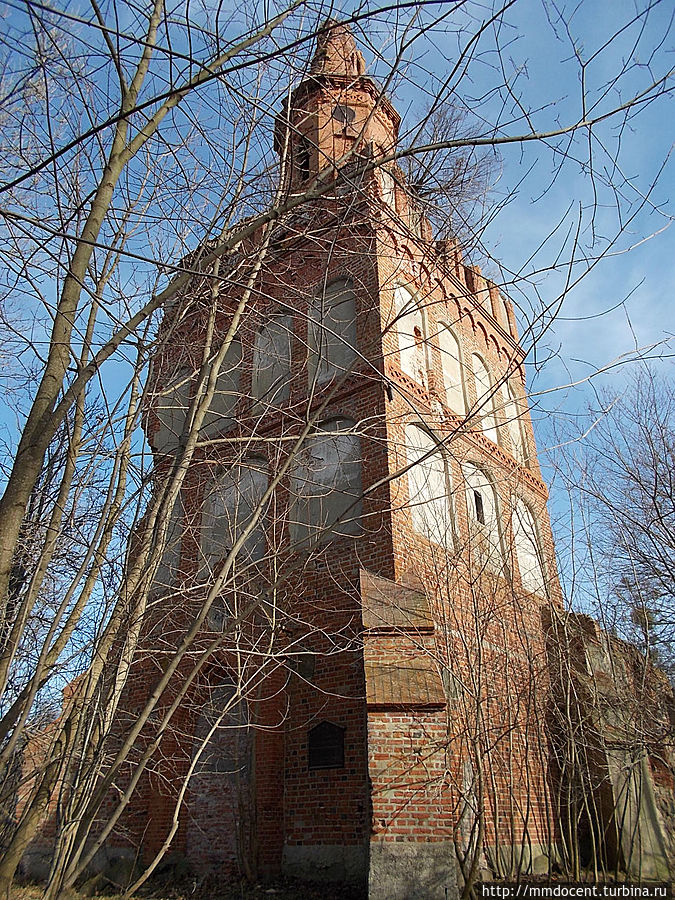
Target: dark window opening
x=480, y=511
x=303, y=159
x=326, y=746
x=343, y=114
x=304, y=664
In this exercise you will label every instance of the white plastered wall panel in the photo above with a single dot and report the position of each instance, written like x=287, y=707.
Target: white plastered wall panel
x=483, y=518
x=528, y=549
x=429, y=487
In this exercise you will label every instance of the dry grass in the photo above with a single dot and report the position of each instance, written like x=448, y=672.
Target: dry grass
x=280, y=891
x=34, y=892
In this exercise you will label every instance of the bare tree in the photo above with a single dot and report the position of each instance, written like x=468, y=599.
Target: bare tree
x=613, y=728
x=622, y=475
x=141, y=183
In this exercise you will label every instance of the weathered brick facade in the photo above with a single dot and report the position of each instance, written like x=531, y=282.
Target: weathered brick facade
x=431, y=665
x=385, y=684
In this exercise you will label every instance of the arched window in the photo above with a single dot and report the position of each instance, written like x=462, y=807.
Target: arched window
x=326, y=484
x=528, y=551
x=172, y=406
x=220, y=415
x=485, y=398
x=331, y=332
x=272, y=362
x=411, y=335
x=429, y=487
x=484, y=538
x=453, y=379
x=513, y=414
x=230, y=504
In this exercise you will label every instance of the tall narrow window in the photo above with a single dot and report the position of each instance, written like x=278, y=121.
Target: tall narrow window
x=272, y=362
x=326, y=484
x=220, y=416
x=513, y=414
x=331, y=332
x=303, y=158
x=485, y=398
x=479, y=508
x=429, y=487
x=452, y=370
x=172, y=406
x=411, y=335
x=229, y=508
x=528, y=552
x=484, y=539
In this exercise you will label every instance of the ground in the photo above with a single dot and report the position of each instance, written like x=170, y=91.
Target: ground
x=280, y=891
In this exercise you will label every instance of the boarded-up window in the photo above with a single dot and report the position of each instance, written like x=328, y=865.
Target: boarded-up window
x=214, y=820
x=272, y=362
x=326, y=484
x=411, y=337
x=484, y=539
x=229, y=507
x=220, y=415
x=331, y=332
x=172, y=406
x=485, y=398
x=326, y=748
x=528, y=552
x=452, y=370
x=429, y=487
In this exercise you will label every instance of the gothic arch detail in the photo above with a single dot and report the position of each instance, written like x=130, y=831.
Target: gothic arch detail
x=528, y=549
x=485, y=544
x=429, y=486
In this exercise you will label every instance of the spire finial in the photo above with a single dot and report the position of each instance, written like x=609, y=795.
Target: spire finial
x=336, y=52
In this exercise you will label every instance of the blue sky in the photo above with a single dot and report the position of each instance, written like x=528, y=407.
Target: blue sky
x=590, y=335
x=542, y=45
x=546, y=189
x=625, y=301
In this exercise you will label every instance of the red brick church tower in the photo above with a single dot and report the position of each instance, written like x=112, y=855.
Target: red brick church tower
x=369, y=470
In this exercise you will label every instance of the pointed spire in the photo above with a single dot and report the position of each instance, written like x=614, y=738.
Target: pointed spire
x=336, y=52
